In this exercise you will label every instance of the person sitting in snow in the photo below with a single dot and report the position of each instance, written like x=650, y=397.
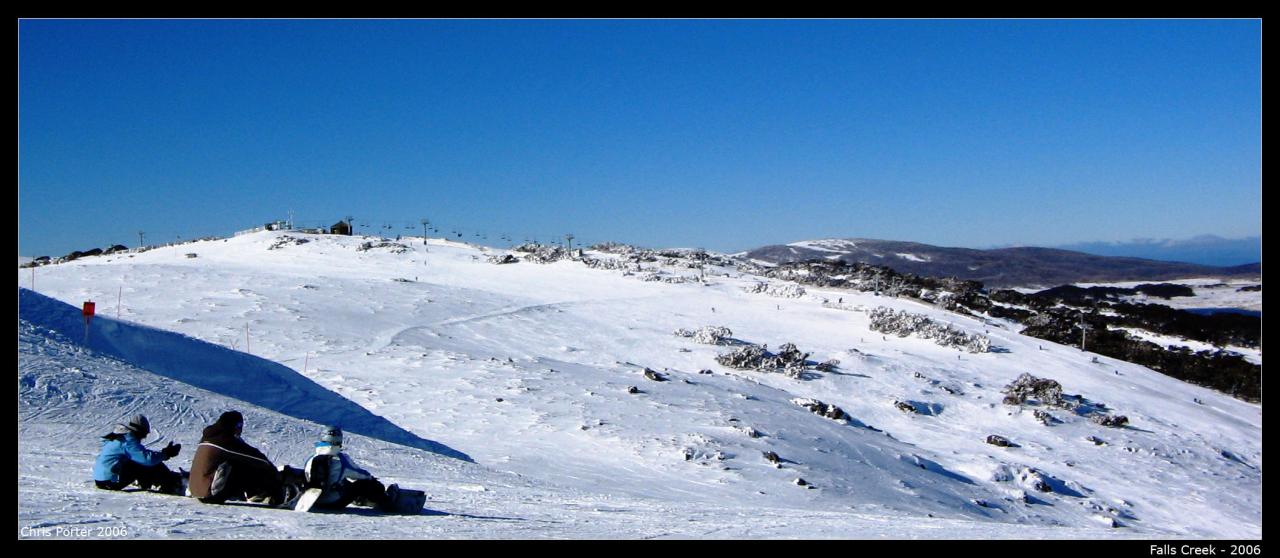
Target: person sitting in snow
x=123, y=460
x=226, y=467
x=339, y=478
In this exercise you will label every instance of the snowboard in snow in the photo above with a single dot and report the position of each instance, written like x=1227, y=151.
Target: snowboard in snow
x=307, y=499
x=404, y=500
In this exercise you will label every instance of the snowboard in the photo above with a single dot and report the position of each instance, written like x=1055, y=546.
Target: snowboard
x=307, y=499
x=404, y=500
x=399, y=500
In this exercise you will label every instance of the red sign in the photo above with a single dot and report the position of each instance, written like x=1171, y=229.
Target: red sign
x=88, y=309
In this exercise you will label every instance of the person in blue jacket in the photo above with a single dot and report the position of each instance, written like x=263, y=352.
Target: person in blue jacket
x=342, y=481
x=123, y=460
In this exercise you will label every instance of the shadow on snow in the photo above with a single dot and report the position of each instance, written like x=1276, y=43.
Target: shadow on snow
x=220, y=370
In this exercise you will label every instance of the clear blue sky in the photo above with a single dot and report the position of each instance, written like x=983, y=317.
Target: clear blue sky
x=721, y=134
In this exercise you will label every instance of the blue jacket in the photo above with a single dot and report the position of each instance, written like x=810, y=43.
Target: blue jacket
x=118, y=448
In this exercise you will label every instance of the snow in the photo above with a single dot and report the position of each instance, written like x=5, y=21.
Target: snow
x=1249, y=353
x=1209, y=293
x=501, y=391
x=839, y=246
x=914, y=258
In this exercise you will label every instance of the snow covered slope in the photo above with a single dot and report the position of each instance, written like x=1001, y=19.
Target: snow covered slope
x=525, y=368
x=1209, y=293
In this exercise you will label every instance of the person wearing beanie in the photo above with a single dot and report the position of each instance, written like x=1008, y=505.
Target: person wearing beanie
x=226, y=467
x=341, y=481
x=123, y=460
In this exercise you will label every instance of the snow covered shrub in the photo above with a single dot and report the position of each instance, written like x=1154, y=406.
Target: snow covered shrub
x=538, y=253
x=828, y=365
x=712, y=335
x=905, y=407
x=615, y=248
x=997, y=440
x=503, y=259
x=1044, y=417
x=393, y=247
x=750, y=357
x=789, y=360
x=654, y=375
x=1111, y=421
x=787, y=290
x=1048, y=392
x=819, y=408
x=1034, y=480
x=903, y=323
x=707, y=335
x=605, y=263
x=664, y=278
x=1002, y=473
x=287, y=240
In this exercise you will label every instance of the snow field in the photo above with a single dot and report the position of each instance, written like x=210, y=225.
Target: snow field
x=525, y=368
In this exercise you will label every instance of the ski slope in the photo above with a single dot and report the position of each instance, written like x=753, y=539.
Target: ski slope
x=502, y=391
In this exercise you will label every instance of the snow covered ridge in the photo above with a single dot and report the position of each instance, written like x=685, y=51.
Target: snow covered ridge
x=525, y=368
x=248, y=378
x=1002, y=267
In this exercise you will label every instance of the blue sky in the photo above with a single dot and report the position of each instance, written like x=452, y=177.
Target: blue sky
x=721, y=134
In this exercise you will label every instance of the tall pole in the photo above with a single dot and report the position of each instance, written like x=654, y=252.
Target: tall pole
x=1083, y=327
x=424, y=231
x=140, y=244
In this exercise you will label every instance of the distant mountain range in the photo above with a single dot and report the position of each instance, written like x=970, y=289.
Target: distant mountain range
x=1205, y=250
x=1001, y=267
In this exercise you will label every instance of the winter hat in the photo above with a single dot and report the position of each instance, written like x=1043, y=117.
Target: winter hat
x=332, y=436
x=138, y=425
x=231, y=420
